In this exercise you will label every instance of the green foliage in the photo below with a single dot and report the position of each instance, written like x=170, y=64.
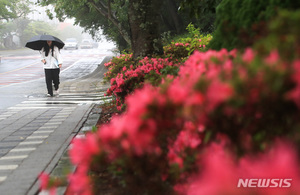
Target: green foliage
x=88, y=15
x=240, y=23
x=176, y=53
x=170, y=70
x=203, y=10
x=284, y=35
x=25, y=29
x=11, y=9
x=244, y=99
x=183, y=47
x=39, y=27
x=92, y=16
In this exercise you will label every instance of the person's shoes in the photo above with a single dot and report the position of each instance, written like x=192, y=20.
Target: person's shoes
x=56, y=92
x=48, y=95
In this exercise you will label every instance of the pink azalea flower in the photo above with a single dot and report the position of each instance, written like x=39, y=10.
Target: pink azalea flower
x=174, y=158
x=112, y=131
x=77, y=151
x=186, y=139
x=194, y=99
x=178, y=94
x=221, y=172
x=44, y=179
x=82, y=149
x=272, y=58
x=296, y=75
x=79, y=182
x=144, y=97
x=294, y=94
x=217, y=93
x=248, y=55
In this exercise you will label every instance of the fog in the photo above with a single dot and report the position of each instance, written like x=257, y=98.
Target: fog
x=15, y=33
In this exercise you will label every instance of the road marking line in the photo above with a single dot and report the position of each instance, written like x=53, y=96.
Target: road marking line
x=3, y=178
x=48, y=127
x=23, y=108
x=8, y=167
x=53, y=123
x=22, y=149
x=43, y=132
x=57, y=119
x=13, y=157
x=5, y=115
x=31, y=143
x=37, y=137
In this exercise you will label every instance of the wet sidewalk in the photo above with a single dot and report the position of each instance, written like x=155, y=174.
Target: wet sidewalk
x=34, y=139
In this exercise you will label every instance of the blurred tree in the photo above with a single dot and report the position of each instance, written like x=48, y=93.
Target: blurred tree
x=135, y=24
x=144, y=26
x=10, y=9
x=240, y=23
x=37, y=28
x=203, y=10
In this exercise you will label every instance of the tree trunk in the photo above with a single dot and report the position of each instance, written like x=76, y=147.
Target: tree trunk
x=144, y=26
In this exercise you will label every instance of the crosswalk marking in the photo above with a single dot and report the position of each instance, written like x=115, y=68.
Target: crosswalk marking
x=43, y=132
x=8, y=167
x=67, y=101
x=37, y=137
x=13, y=157
x=22, y=149
x=2, y=178
x=31, y=142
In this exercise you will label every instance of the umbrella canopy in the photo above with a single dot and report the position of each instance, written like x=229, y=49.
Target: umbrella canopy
x=38, y=42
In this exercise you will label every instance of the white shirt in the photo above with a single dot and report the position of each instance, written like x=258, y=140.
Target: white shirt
x=52, y=62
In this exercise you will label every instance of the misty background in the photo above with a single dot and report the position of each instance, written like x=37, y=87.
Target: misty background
x=22, y=20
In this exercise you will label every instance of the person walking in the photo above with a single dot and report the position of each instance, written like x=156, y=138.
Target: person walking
x=52, y=63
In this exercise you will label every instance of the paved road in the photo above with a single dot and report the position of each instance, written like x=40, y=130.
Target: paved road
x=22, y=75
x=36, y=130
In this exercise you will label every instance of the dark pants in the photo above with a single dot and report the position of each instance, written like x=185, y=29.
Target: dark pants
x=52, y=75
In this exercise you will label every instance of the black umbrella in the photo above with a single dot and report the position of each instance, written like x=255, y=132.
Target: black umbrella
x=38, y=42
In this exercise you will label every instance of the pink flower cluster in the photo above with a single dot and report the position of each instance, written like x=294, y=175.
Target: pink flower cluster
x=133, y=77
x=171, y=124
x=182, y=44
x=275, y=171
x=183, y=48
x=81, y=153
x=48, y=184
x=295, y=93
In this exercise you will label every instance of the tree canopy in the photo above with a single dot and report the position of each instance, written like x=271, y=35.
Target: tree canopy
x=130, y=22
x=10, y=9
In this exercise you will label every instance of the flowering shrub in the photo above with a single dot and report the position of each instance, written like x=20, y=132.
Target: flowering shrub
x=275, y=171
x=48, y=183
x=125, y=77
x=202, y=131
x=117, y=64
x=157, y=145
x=182, y=48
